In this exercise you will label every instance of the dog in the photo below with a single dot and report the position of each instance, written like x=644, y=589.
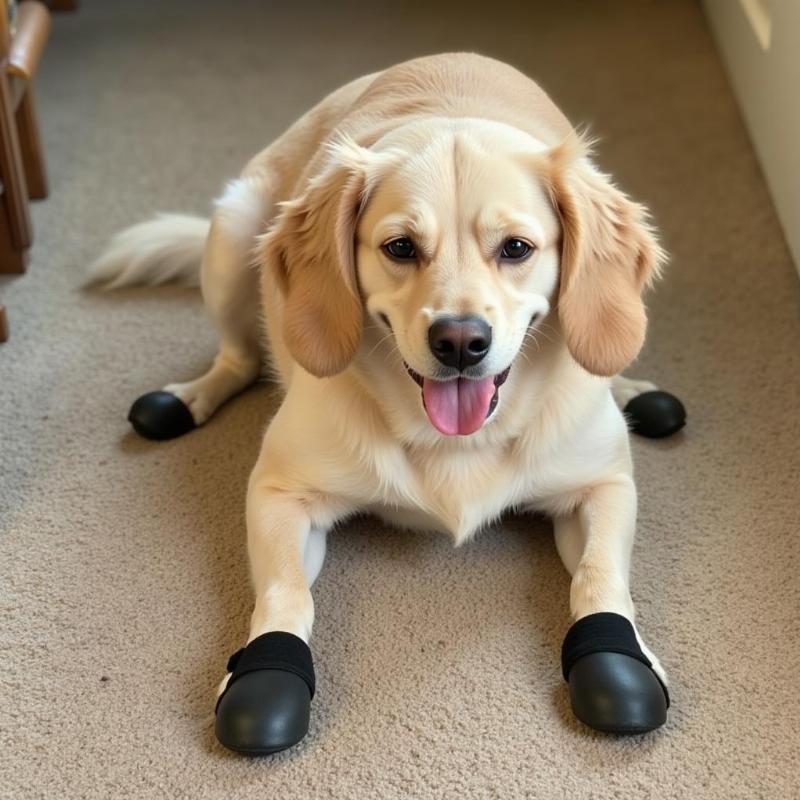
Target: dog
x=447, y=289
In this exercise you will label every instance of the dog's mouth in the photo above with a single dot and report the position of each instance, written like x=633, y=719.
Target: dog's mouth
x=459, y=406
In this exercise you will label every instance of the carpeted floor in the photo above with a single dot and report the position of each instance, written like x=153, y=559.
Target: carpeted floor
x=123, y=574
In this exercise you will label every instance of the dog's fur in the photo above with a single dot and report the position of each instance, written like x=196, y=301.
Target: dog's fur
x=457, y=152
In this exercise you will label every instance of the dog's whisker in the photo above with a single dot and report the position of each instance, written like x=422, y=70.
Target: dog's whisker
x=541, y=329
x=389, y=335
x=525, y=356
x=531, y=336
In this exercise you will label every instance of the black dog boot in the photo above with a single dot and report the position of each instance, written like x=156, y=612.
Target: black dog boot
x=655, y=414
x=266, y=705
x=612, y=685
x=160, y=416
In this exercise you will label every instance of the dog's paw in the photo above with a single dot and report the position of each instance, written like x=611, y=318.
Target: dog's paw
x=615, y=693
x=615, y=683
x=649, y=411
x=264, y=702
x=160, y=415
x=263, y=712
x=655, y=664
x=194, y=398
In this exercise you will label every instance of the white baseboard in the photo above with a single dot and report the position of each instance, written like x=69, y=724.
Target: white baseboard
x=759, y=41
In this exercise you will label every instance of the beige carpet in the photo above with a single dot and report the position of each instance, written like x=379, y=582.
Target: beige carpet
x=123, y=574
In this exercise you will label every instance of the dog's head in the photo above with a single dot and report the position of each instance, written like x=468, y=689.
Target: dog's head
x=456, y=238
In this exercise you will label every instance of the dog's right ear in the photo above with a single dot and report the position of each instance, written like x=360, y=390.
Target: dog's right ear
x=310, y=251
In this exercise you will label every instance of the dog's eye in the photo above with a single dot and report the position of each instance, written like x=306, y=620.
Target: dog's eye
x=515, y=250
x=401, y=249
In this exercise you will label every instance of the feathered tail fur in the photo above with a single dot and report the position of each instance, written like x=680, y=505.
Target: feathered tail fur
x=167, y=249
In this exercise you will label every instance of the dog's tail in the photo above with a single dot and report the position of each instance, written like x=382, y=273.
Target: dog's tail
x=167, y=249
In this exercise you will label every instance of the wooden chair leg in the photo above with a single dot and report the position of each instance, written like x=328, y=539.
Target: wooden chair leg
x=31, y=146
x=3, y=325
x=16, y=222
x=12, y=257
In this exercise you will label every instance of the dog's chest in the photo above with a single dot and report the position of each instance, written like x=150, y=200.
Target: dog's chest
x=452, y=493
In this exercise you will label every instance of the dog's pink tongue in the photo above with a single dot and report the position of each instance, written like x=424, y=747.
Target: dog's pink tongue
x=458, y=406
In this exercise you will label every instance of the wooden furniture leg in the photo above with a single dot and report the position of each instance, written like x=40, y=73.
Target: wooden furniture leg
x=12, y=259
x=15, y=191
x=31, y=146
x=21, y=166
x=22, y=172
x=3, y=325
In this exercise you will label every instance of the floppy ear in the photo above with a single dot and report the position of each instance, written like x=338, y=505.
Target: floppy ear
x=609, y=254
x=310, y=250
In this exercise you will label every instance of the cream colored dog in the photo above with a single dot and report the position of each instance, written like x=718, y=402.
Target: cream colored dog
x=448, y=288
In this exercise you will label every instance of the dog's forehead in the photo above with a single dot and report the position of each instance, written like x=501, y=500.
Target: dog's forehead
x=465, y=175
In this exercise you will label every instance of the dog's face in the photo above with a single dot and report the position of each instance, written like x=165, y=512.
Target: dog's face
x=456, y=237
x=457, y=254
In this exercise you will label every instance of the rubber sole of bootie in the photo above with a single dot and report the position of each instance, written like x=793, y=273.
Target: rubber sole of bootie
x=617, y=693
x=263, y=712
x=160, y=416
x=655, y=414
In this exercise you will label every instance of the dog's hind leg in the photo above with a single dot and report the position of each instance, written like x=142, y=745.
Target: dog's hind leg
x=625, y=389
x=650, y=412
x=229, y=283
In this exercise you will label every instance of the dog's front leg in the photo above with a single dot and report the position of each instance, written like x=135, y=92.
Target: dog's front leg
x=265, y=702
x=616, y=684
x=278, y=529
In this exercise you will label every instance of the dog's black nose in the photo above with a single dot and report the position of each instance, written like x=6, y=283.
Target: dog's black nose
x=460, y=342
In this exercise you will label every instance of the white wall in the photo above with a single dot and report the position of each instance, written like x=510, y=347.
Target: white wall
x=760, y=44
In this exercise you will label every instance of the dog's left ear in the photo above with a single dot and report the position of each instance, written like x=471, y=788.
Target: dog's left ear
x=609, y=254
x=310, y=252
